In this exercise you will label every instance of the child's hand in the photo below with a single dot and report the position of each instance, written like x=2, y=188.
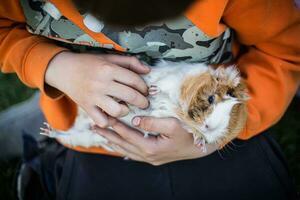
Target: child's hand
x=173, y=144
x=93, y=81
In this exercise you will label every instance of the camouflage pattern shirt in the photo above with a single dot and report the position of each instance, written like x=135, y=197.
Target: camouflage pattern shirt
x=176, y=40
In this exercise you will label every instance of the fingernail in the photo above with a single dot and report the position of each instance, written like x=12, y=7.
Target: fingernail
x=146, y=67
x=102, y=123
x=146, y=105
x=98, y=132
x=125, y=111
x=136, y=121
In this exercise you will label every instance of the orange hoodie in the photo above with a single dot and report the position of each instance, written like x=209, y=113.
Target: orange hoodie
x=268, y=30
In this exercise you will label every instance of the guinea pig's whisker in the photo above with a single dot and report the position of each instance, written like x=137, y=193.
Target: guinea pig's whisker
x=235, y=145
x=220, y=154
x=229, y=147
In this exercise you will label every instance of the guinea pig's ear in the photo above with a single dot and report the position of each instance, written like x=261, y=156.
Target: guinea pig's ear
x=219, y=74
x=229, y=76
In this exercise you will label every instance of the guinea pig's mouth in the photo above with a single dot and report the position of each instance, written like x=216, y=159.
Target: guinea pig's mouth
x=205, y=129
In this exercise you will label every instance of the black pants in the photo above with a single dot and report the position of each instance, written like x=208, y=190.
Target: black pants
x=253, y=169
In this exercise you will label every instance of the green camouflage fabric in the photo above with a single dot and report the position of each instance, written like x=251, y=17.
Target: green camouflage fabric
x=176, y=40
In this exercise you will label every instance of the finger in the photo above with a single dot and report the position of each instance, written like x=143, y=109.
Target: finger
x=114, y=138
x=131, y=79
x=111, y=121
x=132, y=136
x=157, y=125
x=127, y=153
x=98, y=116
x=111, y=107
x=128, y=95
x=129, y=62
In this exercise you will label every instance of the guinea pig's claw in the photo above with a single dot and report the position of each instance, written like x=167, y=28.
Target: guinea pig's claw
x=44, y=131
x=48, y=131
x=200, y=143
x=153, y=90
x=126, y=158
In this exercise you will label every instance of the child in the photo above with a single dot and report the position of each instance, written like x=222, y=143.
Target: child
x=266, y=48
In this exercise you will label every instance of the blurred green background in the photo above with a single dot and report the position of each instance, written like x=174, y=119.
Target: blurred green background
x=287, y=133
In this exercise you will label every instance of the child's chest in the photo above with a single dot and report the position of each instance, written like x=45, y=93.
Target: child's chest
x=176, y=40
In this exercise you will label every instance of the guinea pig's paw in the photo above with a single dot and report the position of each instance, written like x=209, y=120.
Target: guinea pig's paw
x=200, y=142
x=153, y=90
x=47, y=131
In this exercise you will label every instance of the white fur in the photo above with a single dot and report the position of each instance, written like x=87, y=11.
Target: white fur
x=218, y=121
x=231, y=73
x=168, y=77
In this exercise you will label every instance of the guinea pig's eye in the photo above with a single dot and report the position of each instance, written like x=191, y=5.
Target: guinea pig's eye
x=230, y=93
x=211, y=99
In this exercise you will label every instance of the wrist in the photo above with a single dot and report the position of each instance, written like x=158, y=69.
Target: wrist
x=55, y=70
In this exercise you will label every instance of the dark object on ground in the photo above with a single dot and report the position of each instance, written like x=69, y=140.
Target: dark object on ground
x=8, y=173
x=22, y=117
x=252, y=169
x=29, y=181
x=287, y=133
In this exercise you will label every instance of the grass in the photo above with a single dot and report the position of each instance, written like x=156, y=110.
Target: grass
x=8, y=169
x=12, y=91
x=287, y=133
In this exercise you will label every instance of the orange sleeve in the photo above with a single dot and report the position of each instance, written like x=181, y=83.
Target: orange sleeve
x=21, y=52
x=269, y=34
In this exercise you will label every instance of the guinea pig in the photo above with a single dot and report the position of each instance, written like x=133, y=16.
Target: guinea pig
x=210, y=103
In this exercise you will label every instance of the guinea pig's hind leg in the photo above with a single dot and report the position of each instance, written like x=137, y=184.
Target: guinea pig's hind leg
x=153, y=90
x=48, y=131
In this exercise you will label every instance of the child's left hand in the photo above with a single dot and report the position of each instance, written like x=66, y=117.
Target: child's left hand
x=173, y=144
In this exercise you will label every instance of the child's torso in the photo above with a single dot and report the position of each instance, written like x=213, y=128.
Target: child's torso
x=176, y=40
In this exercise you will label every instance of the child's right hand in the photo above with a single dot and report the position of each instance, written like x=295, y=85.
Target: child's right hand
x=93, y=81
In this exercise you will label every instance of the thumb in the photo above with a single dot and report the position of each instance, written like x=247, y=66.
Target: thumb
x=166, y=126
x=129, y=62
x=99, y=117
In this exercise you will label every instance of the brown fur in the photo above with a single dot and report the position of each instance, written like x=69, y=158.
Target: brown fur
x=238, y=118
x=239, y=113
x=195, y=92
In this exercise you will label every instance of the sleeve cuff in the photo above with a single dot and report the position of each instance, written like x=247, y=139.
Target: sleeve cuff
x=35, y=66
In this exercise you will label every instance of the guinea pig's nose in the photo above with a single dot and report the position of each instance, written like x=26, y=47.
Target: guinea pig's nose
x=206, y=126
